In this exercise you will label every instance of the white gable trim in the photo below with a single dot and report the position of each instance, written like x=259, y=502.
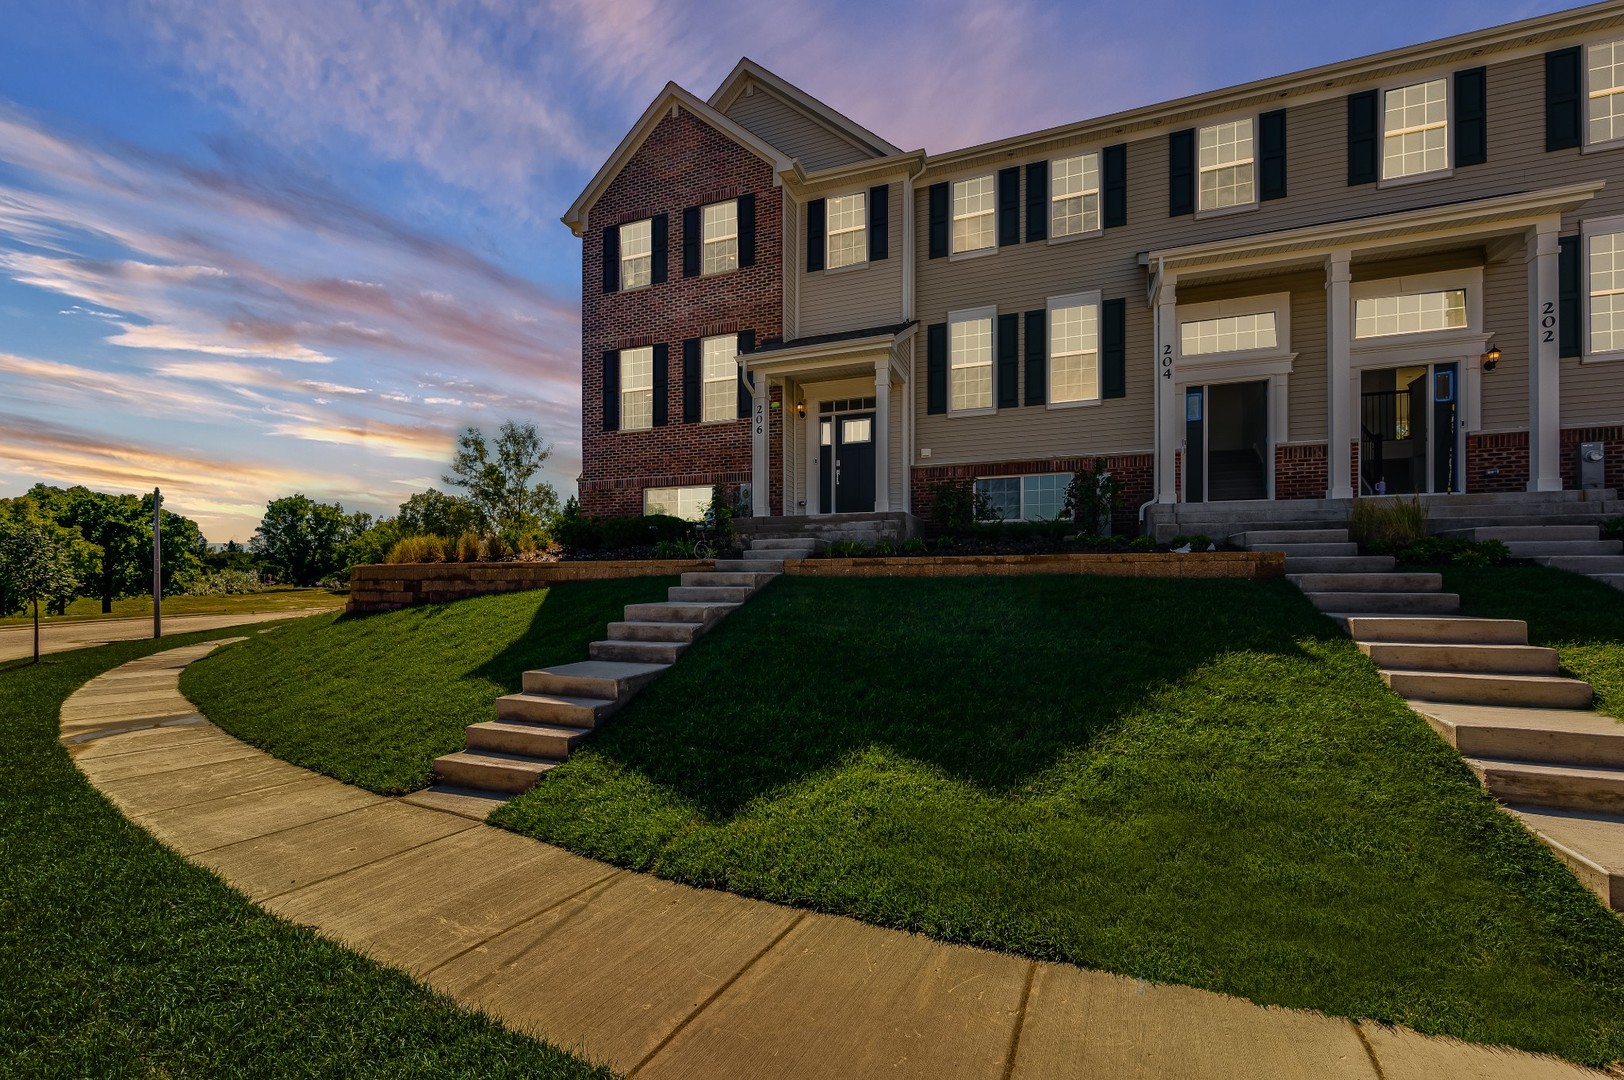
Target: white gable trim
x=747, y=71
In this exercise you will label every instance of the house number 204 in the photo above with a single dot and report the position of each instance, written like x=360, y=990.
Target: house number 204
x=1167, y=361
x=1547, y=321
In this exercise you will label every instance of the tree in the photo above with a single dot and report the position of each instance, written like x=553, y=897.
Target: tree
x=302, y=541
x=36, y=559
x=122, y=531
x=434, y=513
x=181, y=542
x=499, y=491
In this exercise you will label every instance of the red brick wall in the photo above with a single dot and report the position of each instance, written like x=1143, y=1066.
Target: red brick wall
x=685, y=162
x=1300, y=471
x=1507, y=451
x=1134, y=471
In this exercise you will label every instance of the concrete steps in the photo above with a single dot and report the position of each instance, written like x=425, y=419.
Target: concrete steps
x=1553, y=736
x=1535, y=549
x=1591, y=844
x=1376, y=582
x=1515, y=533
x=1478, y=659
x=1490, y=688
x=1451, y=631
x=1576, y=548
x=1339, y=564
x=1596, y=566
x=1395, y=603
x=559, y=707
x=1593, y=788
x=1292, y=549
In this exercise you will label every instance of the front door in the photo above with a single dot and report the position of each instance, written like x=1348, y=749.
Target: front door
x=1410, y=430
x=1226, y=442
x=853, y=478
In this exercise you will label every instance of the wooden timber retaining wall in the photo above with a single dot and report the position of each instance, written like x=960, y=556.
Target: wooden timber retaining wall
x=390, y=586
x=1209, y=564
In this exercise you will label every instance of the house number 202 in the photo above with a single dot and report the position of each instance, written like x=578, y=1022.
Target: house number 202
x=1547, y=321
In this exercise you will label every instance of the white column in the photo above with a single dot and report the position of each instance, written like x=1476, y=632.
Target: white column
x=1338, y=378
x=1544, y=360
x=1169, y=416
x=760, y=466
x=882, y=435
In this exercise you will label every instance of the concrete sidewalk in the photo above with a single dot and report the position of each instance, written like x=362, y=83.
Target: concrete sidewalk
x=662, y=980
x=17, y=641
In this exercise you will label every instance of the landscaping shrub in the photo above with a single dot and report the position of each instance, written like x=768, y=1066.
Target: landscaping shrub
x=224, y=583
x=496, y=548
x=1091, y=496
x=1398, y=523
x=578, y=535
x=845, y=549
x=467, y=549
x=1141, y=543
x=956, y=504
x=417, y=549
x=1448, y=551
x=1613, y=529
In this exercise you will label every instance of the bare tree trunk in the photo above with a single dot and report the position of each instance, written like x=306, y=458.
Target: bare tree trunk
x=36, y=629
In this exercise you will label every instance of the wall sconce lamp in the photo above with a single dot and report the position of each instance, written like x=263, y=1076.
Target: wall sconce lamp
x=1491, y=359
x=800, y=410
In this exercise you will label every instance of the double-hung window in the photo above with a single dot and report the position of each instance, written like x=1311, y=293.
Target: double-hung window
x=637, y=388
x=721, y=231
x=721, y=377
x=848, y=231
x=969, y=360
x=1415, y=130
x=973, y=205
x=1605, y=281
x=636, y=254
x=1226, y=165
x=1074, y=195
x=1605, y=91
x=1409, y=313
x=1034, y=497
x=1074, y=349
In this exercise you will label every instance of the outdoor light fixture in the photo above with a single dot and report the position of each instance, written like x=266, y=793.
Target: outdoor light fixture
x=1491, y=359
x=800, y=409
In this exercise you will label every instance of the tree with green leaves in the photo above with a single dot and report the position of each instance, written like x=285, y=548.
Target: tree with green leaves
x=497, y=479
x=434, y=513
x=36, y=559
x=122, y=530
x=302, y=541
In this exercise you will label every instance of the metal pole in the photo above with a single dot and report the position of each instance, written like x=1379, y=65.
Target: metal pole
x=157, y=564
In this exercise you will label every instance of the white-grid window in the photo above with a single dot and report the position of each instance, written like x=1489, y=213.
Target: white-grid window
x=721, y=377
x=1034, y=497
x=636, y=254
x=688, y=503
x=637, y=388
x=1409, y=313
x=973, y=206
x=1606, y=91
x=1074, y=195
x=721, y=229
x=847, y=230
x=1229, y=333
x=1606, y=284
x=969, y=360
x=1226, y=164
x=1415, y=130
x=1074, y=351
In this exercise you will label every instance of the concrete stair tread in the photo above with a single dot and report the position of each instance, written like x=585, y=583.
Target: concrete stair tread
x=535, y=727
x=1442, y=628
x=648, y=630
x=605, y=669
x=1524, y=549
x=1611, y=774
x=1526, y=718
x=1339, y=564
x=561, y=699
x=1508, y=533
x=471, y=803
x=1462, y=657
x=491, y=770
x=1591, y=843
x=1385, y=602
x=678, y=611
x=1367, y=582
x=701, y=594
x=1468, y=687
x=499, y=758
x=1289, y=536
x=635, y=651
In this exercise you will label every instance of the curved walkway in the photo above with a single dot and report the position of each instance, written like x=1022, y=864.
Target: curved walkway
x=662, y=980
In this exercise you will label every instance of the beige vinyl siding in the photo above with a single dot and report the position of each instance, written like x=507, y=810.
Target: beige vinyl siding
x=854, y=297
x=780, y=124
x=902, y=356
x=1504, y=394
x=793, y=259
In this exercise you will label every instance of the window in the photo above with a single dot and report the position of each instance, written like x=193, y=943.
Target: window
x=848, y=231
x=1409, y=313
x=1231, y=333
x=637, y=388
x=636, y=254
x=1415, y=131
x=1606, y=84
x=1606, y=277
x=720, y=370
x=973, y=206
x=688, y=503
x=1226, y=165
x=1074, y=350
x=1036, y=497
x=1074, y=195
x=721, y=229
x=858, y=429
x=969, y=360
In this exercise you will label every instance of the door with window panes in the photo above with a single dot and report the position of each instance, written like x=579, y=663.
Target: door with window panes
x=846, y=456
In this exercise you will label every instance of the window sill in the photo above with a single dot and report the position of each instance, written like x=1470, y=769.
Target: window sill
x=634, y=429
x=718, y=273
x=1084, y=404
x=721, y=420
x=1069, y=237
x=1614, y=357
x=978, y=253
x=633, y=288
x=989, y=410
x=1225, y=211
x=1602, y=147
x=1419, y=178
x=848, y=268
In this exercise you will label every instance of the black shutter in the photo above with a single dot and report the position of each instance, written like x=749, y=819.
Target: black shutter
x=879, y=222
x=693, y=382
x=1115, y=167
x=1009, y=363
x=691, y=236
x=661, y=240
x=939, y=197
x=747, y=343
x=747, y=230
x=1113, y=349
x=611, y=260
x=1271, y=155
x=1364, y=137
x=936, y=368
x=1037, y=357
x=817, y=218
x=1037, y=201
x=1471, y=116
x=1181, y=173
x=662, y=384
x=1564, y=95
x=1569, y=311
x=611, y=390
x=1009, y=206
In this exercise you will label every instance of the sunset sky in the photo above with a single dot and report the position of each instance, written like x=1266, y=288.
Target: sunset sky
x=251, y=248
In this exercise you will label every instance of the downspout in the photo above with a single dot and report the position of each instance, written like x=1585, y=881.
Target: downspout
x=908, y=262
x=1156, y=375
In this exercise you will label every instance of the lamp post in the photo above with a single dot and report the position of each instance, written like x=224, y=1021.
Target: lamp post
x=157, y=564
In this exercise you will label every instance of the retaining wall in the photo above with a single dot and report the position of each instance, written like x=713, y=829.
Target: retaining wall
x=389, y=586
x=1211, y=564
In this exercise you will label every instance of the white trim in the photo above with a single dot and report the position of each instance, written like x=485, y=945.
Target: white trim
x=1098, y=191
x=866, y=215
x=1093, y=298
x=964, y=315
x=1588, y=229
x=1448, y=125
x=1616, y=141
x=1468, y=278
x=705, y=242
x=1278, y=303
x=1220, y=211
x=953, y=217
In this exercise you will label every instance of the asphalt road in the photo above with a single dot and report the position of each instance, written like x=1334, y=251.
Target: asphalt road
x=17, y=642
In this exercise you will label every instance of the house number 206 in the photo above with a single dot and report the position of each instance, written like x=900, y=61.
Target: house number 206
x=761, y=418
x=1547, y=321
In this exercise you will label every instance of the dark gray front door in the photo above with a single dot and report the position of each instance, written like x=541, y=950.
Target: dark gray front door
x=854, y=463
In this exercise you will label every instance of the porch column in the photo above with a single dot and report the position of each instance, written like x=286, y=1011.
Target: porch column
x=760, y=465
x=1544, y=360
x=882, y=435
x=1338, y=375
x=1169, y=417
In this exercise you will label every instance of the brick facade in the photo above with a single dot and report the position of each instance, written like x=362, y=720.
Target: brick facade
x=684, y=162
x=1136, y=473
x=1300, y=471
x=1505, y=454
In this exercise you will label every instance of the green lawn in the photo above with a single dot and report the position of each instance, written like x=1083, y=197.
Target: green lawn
x=374, y=700
x=275, y=598
x=121, y=959
x=1583, y=620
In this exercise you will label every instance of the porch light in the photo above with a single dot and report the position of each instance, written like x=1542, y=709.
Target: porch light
x=1491, y=359
x=800, y=409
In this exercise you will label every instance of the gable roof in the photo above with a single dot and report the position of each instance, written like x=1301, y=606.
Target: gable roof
x=747, y=72
x=672, y=96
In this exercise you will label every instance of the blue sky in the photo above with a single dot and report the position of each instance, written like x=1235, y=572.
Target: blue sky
x=249, y=248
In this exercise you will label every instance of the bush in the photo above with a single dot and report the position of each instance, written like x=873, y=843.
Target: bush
x=957, y=504
x=1141, y=543
x=1019, y=530
x=1398, y=523
x=467, y=548
x=674, y=549
x=1091, y=496
x=495, y=549
x=223, y=583
x=1450, y=551
x=914, y=546
x=1613, y=529
x=579, y=534
x=417, y=549
x=845, y=549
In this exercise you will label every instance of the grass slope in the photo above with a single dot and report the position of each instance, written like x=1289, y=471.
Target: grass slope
x=121, y=959
x=276, y=598
x=1196, y=782
x=374, y=700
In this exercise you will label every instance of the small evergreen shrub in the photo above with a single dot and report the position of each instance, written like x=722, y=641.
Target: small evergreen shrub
x=1091, y=496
